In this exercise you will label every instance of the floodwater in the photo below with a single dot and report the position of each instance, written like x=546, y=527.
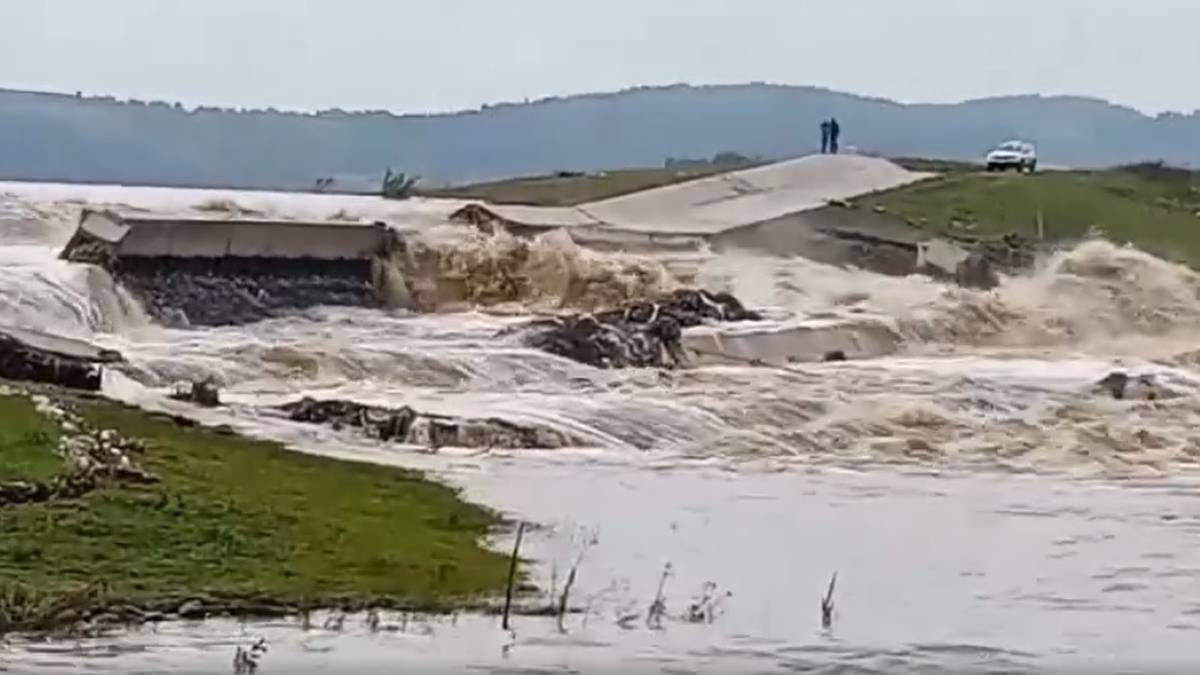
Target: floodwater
x=985, y=510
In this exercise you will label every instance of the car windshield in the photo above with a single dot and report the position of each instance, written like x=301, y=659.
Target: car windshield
x=1012, y=145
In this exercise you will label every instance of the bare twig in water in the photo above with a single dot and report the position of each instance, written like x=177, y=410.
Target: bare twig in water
x=658, y=608
x=562, y=603
x=613, y=587
x=626, y=621
x=827, y=604
x=335, y=622
x=705, y=608
x=588, y=540
x=245, y=661
x=512, y=575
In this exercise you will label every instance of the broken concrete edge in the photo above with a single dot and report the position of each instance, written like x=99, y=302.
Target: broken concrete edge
x=785, y=345
x=105, y=237
x=593, y=233
x=944, y=258
x=31, y=356
x=196, y=271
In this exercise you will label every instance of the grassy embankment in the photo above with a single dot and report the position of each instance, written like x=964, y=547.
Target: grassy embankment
x=577, y=189
x=1155, y=208
x=234, y=520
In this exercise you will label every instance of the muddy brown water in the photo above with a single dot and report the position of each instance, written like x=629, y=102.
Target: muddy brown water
x=984, y=509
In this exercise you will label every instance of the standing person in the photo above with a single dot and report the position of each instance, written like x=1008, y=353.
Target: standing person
x=835, y=132
x=825, y=135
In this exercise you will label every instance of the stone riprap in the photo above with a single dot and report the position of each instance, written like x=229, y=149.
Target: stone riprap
x=214, y=292
x=638, y=335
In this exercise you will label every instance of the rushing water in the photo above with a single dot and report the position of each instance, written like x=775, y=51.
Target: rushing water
x=984, y=508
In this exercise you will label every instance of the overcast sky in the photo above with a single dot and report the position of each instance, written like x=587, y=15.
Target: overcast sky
x=433, y=55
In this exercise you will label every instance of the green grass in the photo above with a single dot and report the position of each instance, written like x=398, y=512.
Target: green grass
x=570, y=191
x=936, y=165
x=238, y=518
x=28, y=442
x=1152, y=207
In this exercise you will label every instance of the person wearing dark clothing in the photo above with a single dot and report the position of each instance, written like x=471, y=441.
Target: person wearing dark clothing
x=835, y=132
x=825, y=136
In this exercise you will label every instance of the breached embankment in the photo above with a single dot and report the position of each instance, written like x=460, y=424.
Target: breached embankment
x=213, y=272
x=190, y=271
x=936, y=389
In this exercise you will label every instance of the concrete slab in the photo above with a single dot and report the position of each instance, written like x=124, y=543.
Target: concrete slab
x=233, y=204
x=709, y=206
x=718, y=203
x=798, y=341
x=153, y=237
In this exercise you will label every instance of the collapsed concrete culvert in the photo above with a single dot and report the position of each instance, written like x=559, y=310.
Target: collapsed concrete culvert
x=646, y=334
x=191, y=271
x=405, y=425
x=31, y=356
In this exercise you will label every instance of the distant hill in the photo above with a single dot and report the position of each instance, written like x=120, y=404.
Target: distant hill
x=72, y=138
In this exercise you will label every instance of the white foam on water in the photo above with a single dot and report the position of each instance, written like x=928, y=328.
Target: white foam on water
x=961, y=375
x=978, y=381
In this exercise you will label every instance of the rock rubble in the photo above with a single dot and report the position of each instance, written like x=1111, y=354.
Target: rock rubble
x=405, y=425
x=185, y=292
x=91, y=459
x=638, y=335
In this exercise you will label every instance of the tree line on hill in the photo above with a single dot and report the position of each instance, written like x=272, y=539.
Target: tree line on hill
x=77, y=138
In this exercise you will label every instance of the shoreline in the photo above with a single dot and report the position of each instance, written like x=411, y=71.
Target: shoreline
x=186, y=522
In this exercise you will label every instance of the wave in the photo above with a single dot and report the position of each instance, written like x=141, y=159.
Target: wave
x=452, y=268
x=1089, y=294
x=1007, y=383
x=42, y=293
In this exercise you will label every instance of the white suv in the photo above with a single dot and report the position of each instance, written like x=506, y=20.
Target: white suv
x=1017, y=155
